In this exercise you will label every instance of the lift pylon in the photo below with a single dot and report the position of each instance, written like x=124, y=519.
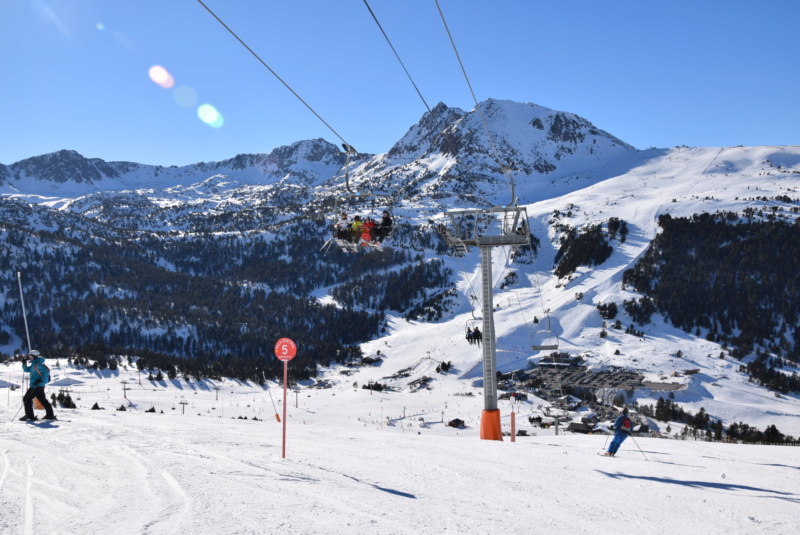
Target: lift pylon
x=497, y=226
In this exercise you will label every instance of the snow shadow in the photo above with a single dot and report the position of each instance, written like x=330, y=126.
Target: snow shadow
x=384, y=489
x=776, y=465
x=103, y=374
x=707, y=485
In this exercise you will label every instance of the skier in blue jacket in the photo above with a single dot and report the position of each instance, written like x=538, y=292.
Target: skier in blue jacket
x=40, y=376
x=622, y=428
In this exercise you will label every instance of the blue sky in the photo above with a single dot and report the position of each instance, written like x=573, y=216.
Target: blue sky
x=76, y=73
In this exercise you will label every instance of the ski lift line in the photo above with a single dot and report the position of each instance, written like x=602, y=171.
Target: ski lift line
x=514, y=375
x=516, y=293
x=545, y=311
x=396, y=55
x=273, y=72
x=472, y=290
x=506, y=173
x=447, y=139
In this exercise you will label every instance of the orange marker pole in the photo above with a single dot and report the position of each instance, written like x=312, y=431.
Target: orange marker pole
x=513, y=426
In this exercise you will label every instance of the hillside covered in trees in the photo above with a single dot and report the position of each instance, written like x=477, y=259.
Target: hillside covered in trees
x=731, y=280
x=208, y=302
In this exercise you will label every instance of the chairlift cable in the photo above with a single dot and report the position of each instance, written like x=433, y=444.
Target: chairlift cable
x=516, y=294
x=472, y=290
x=514, y=375
x=541, y=294
x=396, y=55
x=273, y=72
x=447, y=139
x=506, y=172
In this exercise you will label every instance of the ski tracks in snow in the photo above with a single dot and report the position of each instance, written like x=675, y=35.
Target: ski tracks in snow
x=178, y=490
x=5, y=468
x=34, y=494
x=28, y=501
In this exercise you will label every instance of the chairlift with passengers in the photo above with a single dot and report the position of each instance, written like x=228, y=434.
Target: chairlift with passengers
x=359, y=223
x=472, y=329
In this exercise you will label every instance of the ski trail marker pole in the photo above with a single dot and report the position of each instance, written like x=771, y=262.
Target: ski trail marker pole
x=285, y=350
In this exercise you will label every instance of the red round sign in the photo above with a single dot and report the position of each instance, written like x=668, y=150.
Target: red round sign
x=285, y=349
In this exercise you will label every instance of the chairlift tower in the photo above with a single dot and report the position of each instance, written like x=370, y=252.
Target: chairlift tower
x=487, y=228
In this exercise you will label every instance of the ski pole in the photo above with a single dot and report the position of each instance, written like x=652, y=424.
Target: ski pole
x=25, y=319
x=640, y=449
x=15, y=414
x=24, y=316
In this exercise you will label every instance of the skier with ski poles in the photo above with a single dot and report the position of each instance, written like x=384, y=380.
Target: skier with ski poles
x=622, y=428
x=39, y=376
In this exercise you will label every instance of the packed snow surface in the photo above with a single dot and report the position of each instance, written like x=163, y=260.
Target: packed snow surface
x=357, y=462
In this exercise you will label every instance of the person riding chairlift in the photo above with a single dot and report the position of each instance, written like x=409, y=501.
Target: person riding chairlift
x=355, y=229
x=384, y=227
x=342, y=228
x=367, y=228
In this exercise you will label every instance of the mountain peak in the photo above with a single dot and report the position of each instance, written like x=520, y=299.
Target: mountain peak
x=64, y=166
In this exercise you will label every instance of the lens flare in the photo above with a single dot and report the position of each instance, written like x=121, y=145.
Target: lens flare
x=209, y=115
x=185, y=96
x=161, y=76
x=100, y=26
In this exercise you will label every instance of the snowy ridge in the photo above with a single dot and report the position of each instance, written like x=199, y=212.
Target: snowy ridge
x=67, y=173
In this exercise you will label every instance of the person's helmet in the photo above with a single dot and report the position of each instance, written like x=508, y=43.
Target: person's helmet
x=625, y=411
x=34, y=354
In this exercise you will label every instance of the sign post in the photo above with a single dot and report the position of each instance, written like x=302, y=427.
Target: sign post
x=285, y=350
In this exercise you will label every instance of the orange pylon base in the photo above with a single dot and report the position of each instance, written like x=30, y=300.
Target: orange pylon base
x=490, y=425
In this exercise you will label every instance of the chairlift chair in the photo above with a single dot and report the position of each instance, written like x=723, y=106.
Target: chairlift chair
x=363, y=205
x=544, y=339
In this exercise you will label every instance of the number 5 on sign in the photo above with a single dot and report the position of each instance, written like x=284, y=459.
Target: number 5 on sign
x=285, y=350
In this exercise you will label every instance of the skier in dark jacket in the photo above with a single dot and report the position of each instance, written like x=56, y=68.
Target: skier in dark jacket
x=40, y=376
x=622, y=428
x=384, y=227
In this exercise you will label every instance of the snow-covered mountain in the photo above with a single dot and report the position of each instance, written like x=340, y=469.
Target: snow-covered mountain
x=567, y=173
x=447, y=152
x=67, y=173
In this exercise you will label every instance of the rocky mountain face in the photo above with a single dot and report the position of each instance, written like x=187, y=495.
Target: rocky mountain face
x=449, y=153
